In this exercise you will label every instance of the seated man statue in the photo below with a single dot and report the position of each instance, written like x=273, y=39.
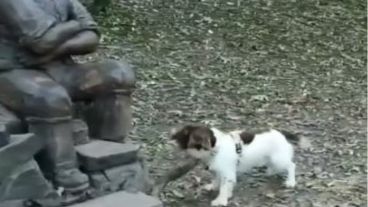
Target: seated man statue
x=39, y=80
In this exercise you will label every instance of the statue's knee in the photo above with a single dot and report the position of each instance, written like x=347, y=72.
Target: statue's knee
x=120, y=74
x=52, y=102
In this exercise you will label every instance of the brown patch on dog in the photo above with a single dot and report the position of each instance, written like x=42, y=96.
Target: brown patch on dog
x=195, y=137
x=247, y=137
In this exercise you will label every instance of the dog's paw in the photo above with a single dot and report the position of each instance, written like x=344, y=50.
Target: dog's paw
x=219, y=202
x=290, y=183
x=209, y=187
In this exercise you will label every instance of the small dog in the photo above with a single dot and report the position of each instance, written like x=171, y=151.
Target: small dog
x=227, y=154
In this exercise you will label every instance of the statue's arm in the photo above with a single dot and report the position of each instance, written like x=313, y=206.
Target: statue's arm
x=76, y=37
x=82, y=43
x=87, y=40
x=53, y=38
x=79, y=13
x=35, y=29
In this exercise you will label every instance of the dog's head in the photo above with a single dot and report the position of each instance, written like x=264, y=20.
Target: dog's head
x=196, y=140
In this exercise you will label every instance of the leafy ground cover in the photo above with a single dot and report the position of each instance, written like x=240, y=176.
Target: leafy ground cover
x=299, y=65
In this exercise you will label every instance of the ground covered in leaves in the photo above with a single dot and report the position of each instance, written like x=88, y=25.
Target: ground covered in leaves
x=299, y=65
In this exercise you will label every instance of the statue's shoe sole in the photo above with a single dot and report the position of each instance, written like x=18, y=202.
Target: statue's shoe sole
x=78, y=189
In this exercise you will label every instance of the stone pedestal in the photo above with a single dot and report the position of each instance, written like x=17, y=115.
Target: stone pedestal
x=122, y=199
x=114, y=166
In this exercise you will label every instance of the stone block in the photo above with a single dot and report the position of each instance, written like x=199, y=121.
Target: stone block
x=25, y=182
x=20, y=149
x=99, y=181
x=131, y=177
x=80, y=132
x=122, y=199
x=99, y=155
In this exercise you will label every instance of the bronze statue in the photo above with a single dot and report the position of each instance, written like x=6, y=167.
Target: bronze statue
x=40, y=81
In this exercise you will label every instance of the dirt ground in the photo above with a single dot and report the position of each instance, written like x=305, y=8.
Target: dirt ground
x=299, y=65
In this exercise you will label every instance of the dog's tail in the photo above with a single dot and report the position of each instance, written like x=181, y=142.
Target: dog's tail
x=291, y=137
x=296, y=140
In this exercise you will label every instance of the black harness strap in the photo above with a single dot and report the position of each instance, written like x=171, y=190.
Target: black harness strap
x=238, y=148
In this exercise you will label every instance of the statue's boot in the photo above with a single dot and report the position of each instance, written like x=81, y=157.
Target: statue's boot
x=58, y=159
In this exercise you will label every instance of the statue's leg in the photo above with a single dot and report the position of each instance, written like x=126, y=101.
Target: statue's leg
x=108, y=85
x=47, y=108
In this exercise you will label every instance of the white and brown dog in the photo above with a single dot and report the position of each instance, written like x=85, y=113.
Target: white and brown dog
x=227, y=154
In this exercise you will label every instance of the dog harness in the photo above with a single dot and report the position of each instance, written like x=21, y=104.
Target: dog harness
x=238, y=144
x=238, y=149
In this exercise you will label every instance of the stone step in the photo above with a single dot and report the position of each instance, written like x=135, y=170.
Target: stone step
x=100, y=155
x=122, y=199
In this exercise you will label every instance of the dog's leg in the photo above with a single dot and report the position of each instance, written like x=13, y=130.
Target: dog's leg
x=226, y=189
x=222, y=198
x=290, y=179
x=214, y=185
x=230, y=188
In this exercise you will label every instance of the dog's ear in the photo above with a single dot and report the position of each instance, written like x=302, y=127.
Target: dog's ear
x=208, y=139
x=181, y=136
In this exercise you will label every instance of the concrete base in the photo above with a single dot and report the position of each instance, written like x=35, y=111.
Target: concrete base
x=122, y=199
x=15, y=203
